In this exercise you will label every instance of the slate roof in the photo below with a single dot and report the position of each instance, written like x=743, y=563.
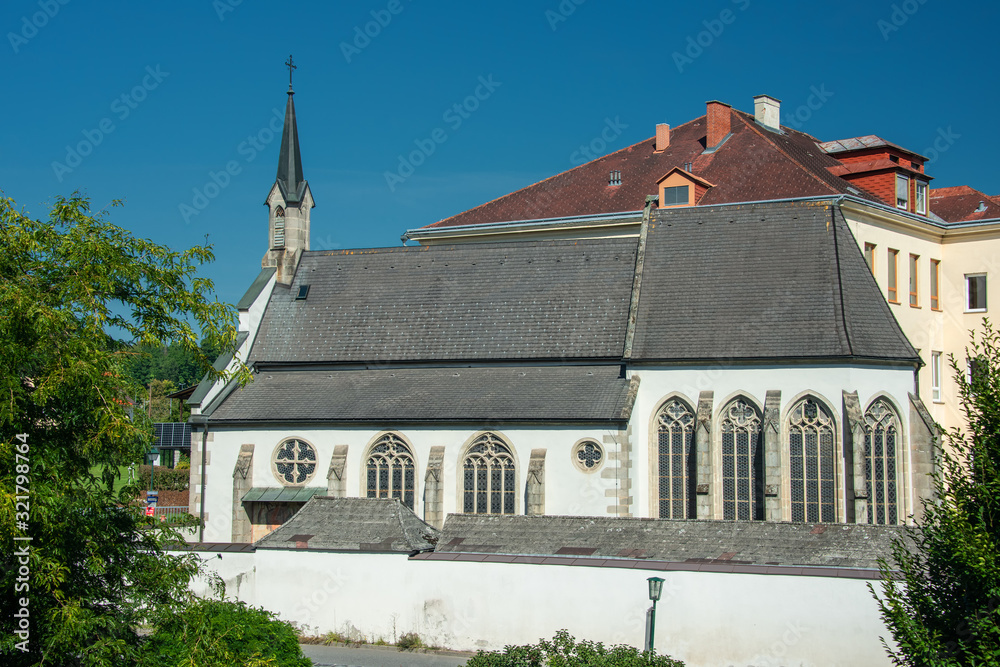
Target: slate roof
x=541, y=300
x=862, y=143
x=753, y=164
x=960, y=204
x=554, y=393
x=368, y=525
x=732, y=542
x=777, y=280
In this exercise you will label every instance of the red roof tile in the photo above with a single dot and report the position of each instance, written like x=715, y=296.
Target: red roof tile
x=961, y=204
x=753, y=164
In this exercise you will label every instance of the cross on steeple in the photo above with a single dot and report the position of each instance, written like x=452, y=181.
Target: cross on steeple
x=290, y=65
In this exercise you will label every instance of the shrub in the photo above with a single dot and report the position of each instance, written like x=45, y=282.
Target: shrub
x=564, y=651
x=409, y=641
x=167, y=479
x=220, y=633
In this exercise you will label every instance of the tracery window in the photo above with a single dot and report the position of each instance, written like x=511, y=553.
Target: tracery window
x=812, y=457
x=742, y=462
x=676, y=461
x=294, y=462
x=489, y=480
x=881, y=436
x=279, y=228
x=587, y=455
x=390, y=470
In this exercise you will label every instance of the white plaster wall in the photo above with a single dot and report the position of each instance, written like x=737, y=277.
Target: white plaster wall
x=568, y=490
x=825, y=382
x=705, y=619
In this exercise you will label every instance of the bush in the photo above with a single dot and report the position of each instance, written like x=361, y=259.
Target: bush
x=409, y=641
x=220, y=633
x=564, y=651
x=167, y=479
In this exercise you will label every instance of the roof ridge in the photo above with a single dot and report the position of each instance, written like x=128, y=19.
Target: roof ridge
x=743, y=116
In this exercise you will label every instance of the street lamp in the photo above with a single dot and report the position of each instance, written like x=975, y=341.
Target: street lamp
x=655, y=589
x=153, y=456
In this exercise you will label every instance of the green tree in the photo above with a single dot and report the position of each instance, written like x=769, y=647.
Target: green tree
x=944, y=610
x=95, y=568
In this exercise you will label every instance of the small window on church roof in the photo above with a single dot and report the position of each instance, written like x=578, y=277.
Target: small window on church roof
x=303, y=293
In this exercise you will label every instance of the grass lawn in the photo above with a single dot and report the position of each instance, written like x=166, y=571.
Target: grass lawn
x=120, y=481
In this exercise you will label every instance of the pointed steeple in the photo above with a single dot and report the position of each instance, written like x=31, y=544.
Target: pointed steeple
x=289, y=201
x=290, y=177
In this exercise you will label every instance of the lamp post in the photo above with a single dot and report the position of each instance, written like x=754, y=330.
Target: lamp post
x=655, y=589
x=154, y=456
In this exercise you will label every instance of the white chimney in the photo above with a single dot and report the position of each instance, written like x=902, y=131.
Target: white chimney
x=767, y=111
x=662, y=137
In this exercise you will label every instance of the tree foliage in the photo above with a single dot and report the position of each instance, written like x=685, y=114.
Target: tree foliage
x=945, y=609
x=97, y=567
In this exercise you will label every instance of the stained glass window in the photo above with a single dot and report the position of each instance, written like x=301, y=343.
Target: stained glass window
x=488, y=482
x=742, y=462
x=881, y=434
x=811, y=455
x=294, y=461
x=676, y=461
x=390, y=470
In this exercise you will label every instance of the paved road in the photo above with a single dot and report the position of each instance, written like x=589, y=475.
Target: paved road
x=380, y=656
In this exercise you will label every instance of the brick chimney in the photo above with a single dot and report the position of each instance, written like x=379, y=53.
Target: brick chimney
x=662, y=137
x=767, y=111
x=719, y=122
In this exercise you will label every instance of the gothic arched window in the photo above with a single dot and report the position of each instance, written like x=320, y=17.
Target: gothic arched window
x=279, y=228
x=881, y=436
x=294, y=462
x=489, y=479
x=676, y=461
x=390, y=470
x=742, y=462
x=812, y=456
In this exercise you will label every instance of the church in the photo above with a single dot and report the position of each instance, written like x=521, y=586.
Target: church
x=687, y=343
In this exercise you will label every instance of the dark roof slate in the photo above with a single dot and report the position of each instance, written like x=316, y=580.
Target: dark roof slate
x=538, y=300
x=368, y=525
x=778, y=280
x=730, y=542
x=566, y=393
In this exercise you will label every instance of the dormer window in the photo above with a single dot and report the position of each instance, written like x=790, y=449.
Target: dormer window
x=679, y=187
x=279, y=228
x=902, y=192
x=921, y=198
x=677, y=195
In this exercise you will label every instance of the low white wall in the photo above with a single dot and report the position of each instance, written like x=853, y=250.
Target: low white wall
x=706, y=619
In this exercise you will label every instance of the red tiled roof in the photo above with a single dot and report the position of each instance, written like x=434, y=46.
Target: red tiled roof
x=753, y=164
x=959, y=204
x=878, y=164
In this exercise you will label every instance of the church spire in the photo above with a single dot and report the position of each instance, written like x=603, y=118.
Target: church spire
x=290, y=178
x=289, y=201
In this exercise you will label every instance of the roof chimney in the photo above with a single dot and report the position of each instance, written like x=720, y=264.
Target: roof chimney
x=662, y=137
x=767, y=111
x=719, y=123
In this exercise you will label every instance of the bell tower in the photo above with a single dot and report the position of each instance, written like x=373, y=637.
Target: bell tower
x=289, y=201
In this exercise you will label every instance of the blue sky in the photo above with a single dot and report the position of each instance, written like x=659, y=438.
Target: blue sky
x=162, y=95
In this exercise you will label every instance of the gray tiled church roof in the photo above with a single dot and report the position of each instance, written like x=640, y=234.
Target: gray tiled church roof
x=760, y=281
x=730, y=542
x=353, y=524
x=549, y=299
x=570, y=393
